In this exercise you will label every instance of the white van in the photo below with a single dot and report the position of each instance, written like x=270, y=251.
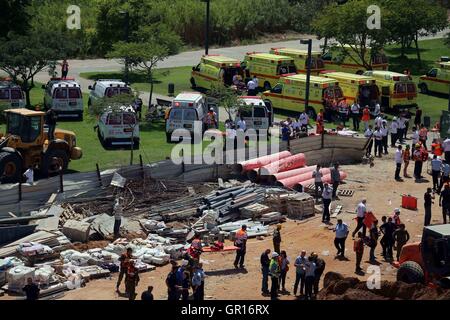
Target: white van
x=186, y=109
x=107, y=88
x=256, y=114
x=118, y=127
x=64, y=96
x=11, y=95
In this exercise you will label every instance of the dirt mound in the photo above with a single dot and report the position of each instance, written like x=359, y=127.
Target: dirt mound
x=336, y=287
x=90, y=245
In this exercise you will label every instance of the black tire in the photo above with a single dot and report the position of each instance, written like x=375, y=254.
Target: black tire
x=267, y=86
x=423, y=88
x=10, y=167
x=48, y=169
x=410, y=272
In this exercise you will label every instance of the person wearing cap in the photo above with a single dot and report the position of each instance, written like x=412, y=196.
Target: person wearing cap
x=361, y=211
x=277, y=239
x=401, y=237
x=265, y=264
x=173, y=290
x=274, y=271
x=131, y=280
x=180, y=272
x=341, y=233
x=393, y=130
x=124, y=260
x=396, y=218
x=299, y=264
x=320, y=268
x=241, y=242
x=444, y=202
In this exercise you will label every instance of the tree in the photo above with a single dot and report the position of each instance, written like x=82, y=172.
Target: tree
x=150, y=45
x=227, y=98
x=13, y=17
x=23, y=56
x=406, y=20
x=347, y=24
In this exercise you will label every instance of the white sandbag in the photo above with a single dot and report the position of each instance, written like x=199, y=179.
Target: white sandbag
x=17, y=277
x=80, y=259
x=67, y=254
x=158, y=239
x=32, y=248
x=43, y=275
x=153, y=225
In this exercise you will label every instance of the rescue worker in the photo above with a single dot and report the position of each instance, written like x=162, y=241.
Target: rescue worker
x=401, y=127
x=283, y=261
x=274, y=271
x=366, y=117
x=124, y=259
x=396, y=218
x=341, y=233
x=378, y=135
x=414, y=138
x=445, y=177
x=198, y=282
x=398, y=162
x=374, y=235
x=304, y=120
x=376, y=110
x=335, y=178
x=444, y=202
x=172, y=286
x=317, y=175
x=406, y=158
x=194, y=251
x=393, y=130
x=358, y=247
x=436, y=148
x=251, y=88
x=436, y=165
x=241, y=243
x=327, y=195
x=117, y=218
x=401, y=237
x=420, y=155
x=446, y=146
x=320, y=268
x=265, y=265
x=50, y=121
x=211, y=119
x=361, y=211
x=277, y=239
x=131, y=280
x=319, y=123
x=355, y=110
x=369, y=134
x=384, y=134
x=387, y=229
x=423, y=136
x=343, y=111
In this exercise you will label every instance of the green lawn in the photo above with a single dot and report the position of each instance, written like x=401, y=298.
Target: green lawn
x=178, y=76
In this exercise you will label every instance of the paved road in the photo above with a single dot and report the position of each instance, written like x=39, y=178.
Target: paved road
x=189, y=58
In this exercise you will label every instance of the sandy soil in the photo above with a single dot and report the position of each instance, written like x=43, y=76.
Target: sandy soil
x=376, y=184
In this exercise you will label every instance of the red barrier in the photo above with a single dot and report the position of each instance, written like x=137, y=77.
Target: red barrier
x=292, y=181
x=287, y=174
x=261, y=161
x=286, y=164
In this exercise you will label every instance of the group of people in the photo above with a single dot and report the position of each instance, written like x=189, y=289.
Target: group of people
x=182, y=278
x=276, y=264
x=295, y=128
x=327, y=191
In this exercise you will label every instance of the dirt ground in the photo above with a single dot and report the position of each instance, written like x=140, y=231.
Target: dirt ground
x=376, y=184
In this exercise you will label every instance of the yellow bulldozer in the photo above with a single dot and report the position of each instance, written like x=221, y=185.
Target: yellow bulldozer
x=26, y=144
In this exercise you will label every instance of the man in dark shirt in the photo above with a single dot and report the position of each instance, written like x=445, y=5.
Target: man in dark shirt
x=31, y=290
x=373, y=240
x=277, y=239
x=171, y=283
x=50, y=120
x=320, y=268
x=387, y=241
x=147, y=295
x=428, y=201
x=444, y=202
x=265, y=262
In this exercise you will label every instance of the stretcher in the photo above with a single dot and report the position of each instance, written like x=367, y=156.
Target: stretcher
x=214, y=249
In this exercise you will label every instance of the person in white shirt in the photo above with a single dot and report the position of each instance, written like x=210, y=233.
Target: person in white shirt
x=369, y=134
x=446, y=146
x=310, y=274
x=317, y=175
x=327, y=195
x=415, y=138
x=384, y=133
x=436, y=165
x=117, y=217
x=398, y=162
x=256, y=81
x=241, y=125
x=304, y=120
x=296, y=126
x=360, y=215
x=29, y=175
x=445, y=177
x=378, y=135
x=393, y=130
x=355, y=109
x=251, y=88
x=401, y=128
x=377, y=110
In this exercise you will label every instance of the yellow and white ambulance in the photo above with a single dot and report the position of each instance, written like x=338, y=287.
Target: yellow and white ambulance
x=289, y=94
x=362, y=89
x=397, y=90
x=268, y=68
x=214, y=69
x=436, y=80
x=342, y=60
x=300, y=59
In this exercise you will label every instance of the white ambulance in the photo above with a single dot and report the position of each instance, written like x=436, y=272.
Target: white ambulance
x=256, y=114
x=118, y=127
x=107, y=88
x=11, y=95
x=64, y=96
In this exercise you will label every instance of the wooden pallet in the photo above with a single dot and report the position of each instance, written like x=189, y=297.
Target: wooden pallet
x=345, y=193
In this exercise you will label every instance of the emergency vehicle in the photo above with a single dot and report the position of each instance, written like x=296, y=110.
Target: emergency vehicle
x=300, y=59
x=187, y=109
x=107, y=88
x=342, y=60
x=268, y=68
x=64, y=96
x=289, y=94
x=214, y=69
x=436, y=80
x=119, y=127
x=256, y=114
x=362, y=89
x=396, y=90
x=11, y=95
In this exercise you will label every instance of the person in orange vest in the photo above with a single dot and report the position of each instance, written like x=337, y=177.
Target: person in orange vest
x=366, y=117
x=406, y=157
x=131, y=280
x=423, y=133
x=195, y=250
x=241, y=243
x=396, y=218
x=319, y=122
x=436, y=148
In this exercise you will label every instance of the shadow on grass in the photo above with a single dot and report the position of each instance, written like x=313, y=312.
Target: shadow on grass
x=134, y=77
x=399, y=64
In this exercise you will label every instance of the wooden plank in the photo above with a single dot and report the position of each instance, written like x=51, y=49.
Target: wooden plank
x=336, y=211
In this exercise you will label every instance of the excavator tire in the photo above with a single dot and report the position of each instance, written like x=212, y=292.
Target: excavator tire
x=410, y=272
x=48, y=169
x=10, y=167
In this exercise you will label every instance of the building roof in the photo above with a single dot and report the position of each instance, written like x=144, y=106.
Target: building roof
x=25, y=112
